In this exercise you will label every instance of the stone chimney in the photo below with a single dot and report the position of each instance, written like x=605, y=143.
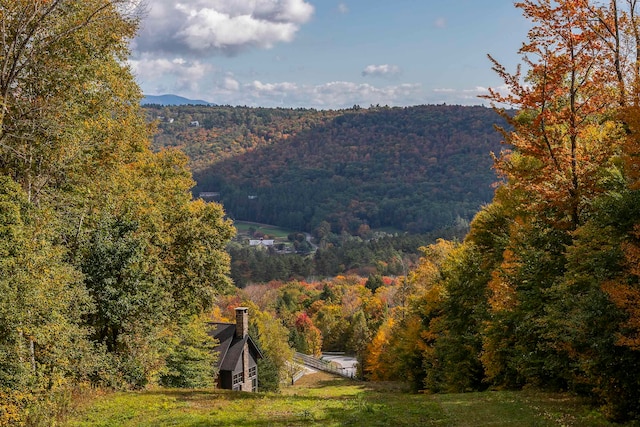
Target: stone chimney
x=242, y=322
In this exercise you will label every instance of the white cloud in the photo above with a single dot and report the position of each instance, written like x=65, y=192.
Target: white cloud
x=384, y=70
x=260, y=89
x=231, y=84
x=440, y=23
x=470, y=96
x=343, y=8
x=186, y=75
x=194, y=27
x=198, y=81
x=333, y=95
x=208, y=29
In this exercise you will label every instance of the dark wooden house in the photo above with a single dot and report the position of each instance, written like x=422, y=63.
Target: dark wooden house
x=238, y=354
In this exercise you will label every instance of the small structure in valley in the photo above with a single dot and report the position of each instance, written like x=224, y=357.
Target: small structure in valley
x=238, y=354
x=262, y=242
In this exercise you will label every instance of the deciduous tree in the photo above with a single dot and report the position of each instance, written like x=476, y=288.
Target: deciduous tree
x=61, y=64
x=565, y=130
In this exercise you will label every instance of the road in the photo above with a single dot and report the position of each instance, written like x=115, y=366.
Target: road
x=308, y=236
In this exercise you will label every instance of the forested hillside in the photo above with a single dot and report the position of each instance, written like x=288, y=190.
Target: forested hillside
x=416, y=169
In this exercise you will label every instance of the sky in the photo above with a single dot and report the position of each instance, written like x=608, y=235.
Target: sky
x=326, y=54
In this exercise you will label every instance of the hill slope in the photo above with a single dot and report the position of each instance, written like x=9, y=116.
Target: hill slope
x=319, y=399
x=417, y=169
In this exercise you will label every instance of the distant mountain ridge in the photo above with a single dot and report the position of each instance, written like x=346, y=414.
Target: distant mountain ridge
x=172, y=100
x=415, y=169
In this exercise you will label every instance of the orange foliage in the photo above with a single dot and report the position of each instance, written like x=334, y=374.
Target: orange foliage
x=312, y=335
x=315, y=307
x=626, y=296
x=562, y=136
x=376, y=368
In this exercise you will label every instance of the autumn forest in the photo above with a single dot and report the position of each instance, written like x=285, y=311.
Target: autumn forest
x=453, y=248
x=415, y=169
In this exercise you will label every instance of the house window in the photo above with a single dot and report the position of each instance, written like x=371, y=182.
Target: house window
x=238, y=379
x=253, y=376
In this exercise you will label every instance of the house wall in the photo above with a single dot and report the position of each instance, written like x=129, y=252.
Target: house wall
x=248, y=382
x=228, y=379
x=239, y=370
x=253, y=368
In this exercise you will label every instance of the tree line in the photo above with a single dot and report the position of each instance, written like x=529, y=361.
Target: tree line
x=106, y=263
x=376, y=253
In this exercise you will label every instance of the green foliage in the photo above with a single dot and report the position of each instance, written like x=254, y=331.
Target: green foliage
x=102, y=250
x=269, y=379
x=374, y=282
x=585, y=323
x=250, y=265
x=197, y=260
x=332, y=323
x=534, y=260
x=337, y=254
x=359, y=339
x=455, y=364
x=122, y=283
x=191, y=360
x=43, y=347
x=273, y=341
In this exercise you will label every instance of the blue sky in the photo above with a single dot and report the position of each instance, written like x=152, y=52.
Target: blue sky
x=324, y=53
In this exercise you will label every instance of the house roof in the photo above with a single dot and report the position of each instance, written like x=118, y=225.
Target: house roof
x=261, y=242
x=230, y=347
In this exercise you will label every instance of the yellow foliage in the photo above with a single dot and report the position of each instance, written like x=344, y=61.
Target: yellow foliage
x=503, y=294
x=12, y=407
x=376, y=369
x=216, y=315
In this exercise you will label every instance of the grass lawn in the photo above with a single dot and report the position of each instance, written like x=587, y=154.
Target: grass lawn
x=270, y=230
x=323, y=400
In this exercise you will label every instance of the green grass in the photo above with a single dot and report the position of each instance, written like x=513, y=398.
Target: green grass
x=270, y=230
x=322, y=400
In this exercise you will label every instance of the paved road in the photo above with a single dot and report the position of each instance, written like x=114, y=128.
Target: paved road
x=308, y=236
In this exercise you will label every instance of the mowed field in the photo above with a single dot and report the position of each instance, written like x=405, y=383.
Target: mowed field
x=324, y=400
x=274, y=232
